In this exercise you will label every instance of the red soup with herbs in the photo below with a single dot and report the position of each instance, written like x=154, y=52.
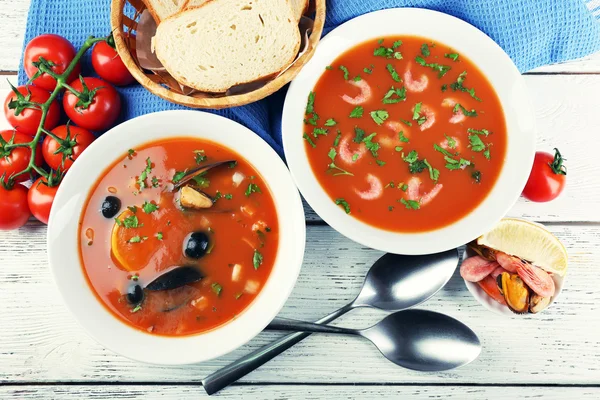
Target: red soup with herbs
x=178, y=236
x=405, y=134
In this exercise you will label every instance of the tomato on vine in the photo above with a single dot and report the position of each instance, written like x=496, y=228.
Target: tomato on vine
x=108, y=64
x=41, y=196
x=61, y=151
x=95, y=106
x=14, y=208
x=56, y=51
x=15, y=159
x=23, y=112
x=548, y=177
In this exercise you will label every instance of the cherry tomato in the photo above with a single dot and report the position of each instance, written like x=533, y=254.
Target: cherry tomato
x=14, y=209
x=17, y=159
x=27, y=120
x=99, y=105
x=548, y=177
x=108, y=64
x=55, y=49
x=62, y=155
x=40, y=199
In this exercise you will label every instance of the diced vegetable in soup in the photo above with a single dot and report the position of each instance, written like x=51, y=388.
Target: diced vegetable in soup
x=172, y=256
x=405, y=134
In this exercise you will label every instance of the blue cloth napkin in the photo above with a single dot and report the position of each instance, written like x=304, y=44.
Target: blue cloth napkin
x=532, y=32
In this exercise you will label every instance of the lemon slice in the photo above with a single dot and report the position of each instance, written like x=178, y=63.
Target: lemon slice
x=130, y=255
x=528, y=241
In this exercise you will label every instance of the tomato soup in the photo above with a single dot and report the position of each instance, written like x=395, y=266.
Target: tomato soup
x=175, y=257
x=405, y=134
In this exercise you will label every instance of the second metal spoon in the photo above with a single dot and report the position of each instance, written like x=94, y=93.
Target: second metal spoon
x=394, y=283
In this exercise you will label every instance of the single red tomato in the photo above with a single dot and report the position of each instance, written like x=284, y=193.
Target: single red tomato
x=15, y=160
x=40, y=198
x=108, y=64
x=98, y=106
x=548, y=177
x=62, y=155
x=27, y=120
x=14, y=209
x=55, y=49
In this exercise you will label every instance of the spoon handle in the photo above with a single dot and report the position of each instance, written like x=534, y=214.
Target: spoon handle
x=238, y=369
x=286, y=324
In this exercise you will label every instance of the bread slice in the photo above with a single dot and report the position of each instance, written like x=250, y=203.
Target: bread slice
x=163, y=9
x=228, y=42
x=300, y=7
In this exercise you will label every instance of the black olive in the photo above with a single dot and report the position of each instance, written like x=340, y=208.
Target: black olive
x=196, y=245
x=135, y=294
x=111, y=206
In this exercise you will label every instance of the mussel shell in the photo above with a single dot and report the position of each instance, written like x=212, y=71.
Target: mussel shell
x=483, y=251
x=515, y=292
x=538, y=303
x=175, y=278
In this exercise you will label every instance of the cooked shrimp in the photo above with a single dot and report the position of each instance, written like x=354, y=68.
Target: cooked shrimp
x=537, y=279
x=393, y=140
x=414, y=191
x=507, y=262
x=429, y=115
x=497, y=272
x=475, y=268
x=490, y=287
x=350, y=156
x=364, y=95
x=415, y=85
x=374, y=191
x=458, y=116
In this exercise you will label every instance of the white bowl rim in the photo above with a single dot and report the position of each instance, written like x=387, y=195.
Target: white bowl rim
x=68, y=273
x=491, y=60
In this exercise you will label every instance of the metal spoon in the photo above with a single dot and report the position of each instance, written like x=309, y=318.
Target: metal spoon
x=395, y=282
x=415, y=339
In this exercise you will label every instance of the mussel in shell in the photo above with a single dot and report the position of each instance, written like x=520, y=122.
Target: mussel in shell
x=483, y=251
x=538, y=303
x=175, y=278
x=515, y=292
x=191, y=198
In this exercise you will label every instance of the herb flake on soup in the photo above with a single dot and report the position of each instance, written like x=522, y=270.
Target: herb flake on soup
x=136, y=227
x=405, y=134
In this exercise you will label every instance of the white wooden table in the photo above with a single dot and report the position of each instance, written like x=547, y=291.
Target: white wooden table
x=44, y=353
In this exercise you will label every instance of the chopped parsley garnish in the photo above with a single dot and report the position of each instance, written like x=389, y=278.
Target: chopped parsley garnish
x=149, y=208
x=380, y=163
x=390, y=208
x=421, y=119
x=130, y=153
x=398, y=148
x=440, y=68
x=216, y=288
x=309, y=140
x=465, y=112
x=369, y=70
x=200, y=156
x=133, y=209
x=425, y=50
x=442, y=150
x=155, y=182
x=330, y=122
x=379, y=116
x=393, y=73
x=218, y=195
x=178, y=176
x=434, y=173
x=458, y=85
x=401, y=137
x=370, y=145
x=310, y=104
x=354, y=157
x=484, y=132
x=389, y=185
x=228, y=196
x=332, y=167
x=388, y=52
x=159, y=236
x=411, y=157
x=257, y=259
x=452, y=56
x=136, y=309
x=329, y=68
x=312, y=120
x=395, y=95
x=336, y=141
x=410, y=204
x=141, y=181
x=417, y=166
x=476, y=175
x=252, y=188
x=137, y=239
x=444, y=87
x=129, y=222
x=135, y=277
x=344, y=204
x=451, y=141
x=357, y=78
x=404, y=187
x=233, y=164
x=357, y=112
x=359, y=134
x=345, y=71
x=476, y=143
x=406, y=122
x=319, y=131
x=201, y=180
x=453, y=164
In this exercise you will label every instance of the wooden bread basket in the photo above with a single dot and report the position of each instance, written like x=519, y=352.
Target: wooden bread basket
x=124, y=30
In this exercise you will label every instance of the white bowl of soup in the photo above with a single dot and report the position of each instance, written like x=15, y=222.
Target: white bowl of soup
x=166, y=270
x=409, y=131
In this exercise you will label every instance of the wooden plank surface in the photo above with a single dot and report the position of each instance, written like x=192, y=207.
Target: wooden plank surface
x=276, y=392
x=41, y=342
